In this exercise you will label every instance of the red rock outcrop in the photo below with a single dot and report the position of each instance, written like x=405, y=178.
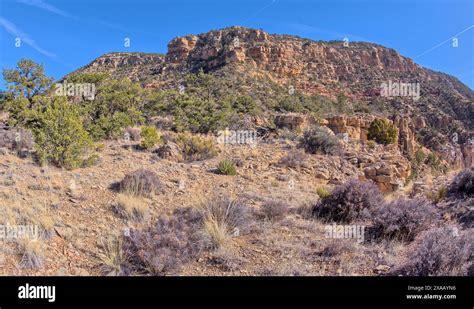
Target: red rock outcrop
x=355, y=126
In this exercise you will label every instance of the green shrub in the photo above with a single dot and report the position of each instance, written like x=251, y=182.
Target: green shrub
x=206, y=105
x=27, y=80
x=436, y=163
x=226, y=167
x=342, y=105
x=289, y=104
x=200, y=116
x=362, y=107
x=196, y=148
x=417, y=163
x=113, y=126
x=419, y=157
x=437, y=196
x=117, y=105
x=100, y=147
x=371, y=144
x=61, y=138
x=150, y=137
x=382, y=131
x=92, y=160
x=244, y=105
x=322, y=192
x=19, y=113
x=26, y=86
x=318, y=140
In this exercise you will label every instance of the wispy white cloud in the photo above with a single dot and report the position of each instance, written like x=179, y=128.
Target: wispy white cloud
x=260, y=11
x=25, y=38
x=444, y=42
x=46, y=6
x=53, y=9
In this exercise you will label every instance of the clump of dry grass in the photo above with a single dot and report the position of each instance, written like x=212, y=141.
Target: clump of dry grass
x=46, y=223
x=112, y=256
x=438, y=195
x=322, y=192
x=33, y=223
x=130, y=207
x=13, y=213
x=223, y=219
x=217, y=231
x=336, y=247
x=8, y=181
x=31, y=252
x=140, y=183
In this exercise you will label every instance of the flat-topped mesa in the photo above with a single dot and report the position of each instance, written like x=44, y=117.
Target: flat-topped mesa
x=283, y=55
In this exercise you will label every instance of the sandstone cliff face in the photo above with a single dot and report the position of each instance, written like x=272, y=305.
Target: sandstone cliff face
x=355, y=126
x=180, y=48
x=406, y=135
x=294, y=122
x=316, y=65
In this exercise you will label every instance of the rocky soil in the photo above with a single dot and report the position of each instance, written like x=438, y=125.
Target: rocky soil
x=80, y=205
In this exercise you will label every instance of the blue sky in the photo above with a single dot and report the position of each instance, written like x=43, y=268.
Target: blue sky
x=64, y=34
